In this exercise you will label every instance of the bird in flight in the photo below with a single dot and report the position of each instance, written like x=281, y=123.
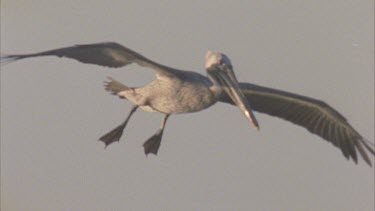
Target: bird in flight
x=177, y=91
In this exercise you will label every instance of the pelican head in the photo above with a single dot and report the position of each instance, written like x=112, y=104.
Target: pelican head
x=220, y=71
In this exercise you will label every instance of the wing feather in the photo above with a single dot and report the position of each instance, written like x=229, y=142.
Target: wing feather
x=109, y=54
x=314, y=115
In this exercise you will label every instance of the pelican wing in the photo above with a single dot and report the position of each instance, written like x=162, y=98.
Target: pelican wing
x=314, y=115
x=108, y=54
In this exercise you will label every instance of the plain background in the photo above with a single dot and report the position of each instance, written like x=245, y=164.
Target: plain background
x=54, y=110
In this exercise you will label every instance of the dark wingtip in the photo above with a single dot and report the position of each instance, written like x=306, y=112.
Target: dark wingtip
x=361, y=145
x=367, y=160
x=6, y=59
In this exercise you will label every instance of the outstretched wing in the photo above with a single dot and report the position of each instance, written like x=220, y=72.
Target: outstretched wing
x=108, y=54
x=314, y=115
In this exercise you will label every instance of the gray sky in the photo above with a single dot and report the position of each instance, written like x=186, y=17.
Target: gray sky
x=54, y=110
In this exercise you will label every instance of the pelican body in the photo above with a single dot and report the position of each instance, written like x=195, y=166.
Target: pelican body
x=177, y=91
x=173, y=95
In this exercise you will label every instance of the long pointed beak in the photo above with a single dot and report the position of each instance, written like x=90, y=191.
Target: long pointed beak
x=229, y=83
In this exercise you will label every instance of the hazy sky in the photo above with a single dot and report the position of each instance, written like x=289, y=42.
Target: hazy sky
x=54, y=110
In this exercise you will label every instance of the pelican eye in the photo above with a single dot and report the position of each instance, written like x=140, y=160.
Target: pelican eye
x=224, y=64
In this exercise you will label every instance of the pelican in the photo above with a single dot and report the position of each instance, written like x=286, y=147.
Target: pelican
x=178, y=91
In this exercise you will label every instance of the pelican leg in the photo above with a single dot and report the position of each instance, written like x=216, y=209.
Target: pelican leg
x=115, y=134
x=153, y=143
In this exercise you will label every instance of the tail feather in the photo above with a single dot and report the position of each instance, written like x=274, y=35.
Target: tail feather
x=114, y=87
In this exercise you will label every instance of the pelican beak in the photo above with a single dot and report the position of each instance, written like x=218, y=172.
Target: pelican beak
x=225, y=77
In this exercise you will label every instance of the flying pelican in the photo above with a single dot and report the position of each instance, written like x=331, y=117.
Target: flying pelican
x=177, y=91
